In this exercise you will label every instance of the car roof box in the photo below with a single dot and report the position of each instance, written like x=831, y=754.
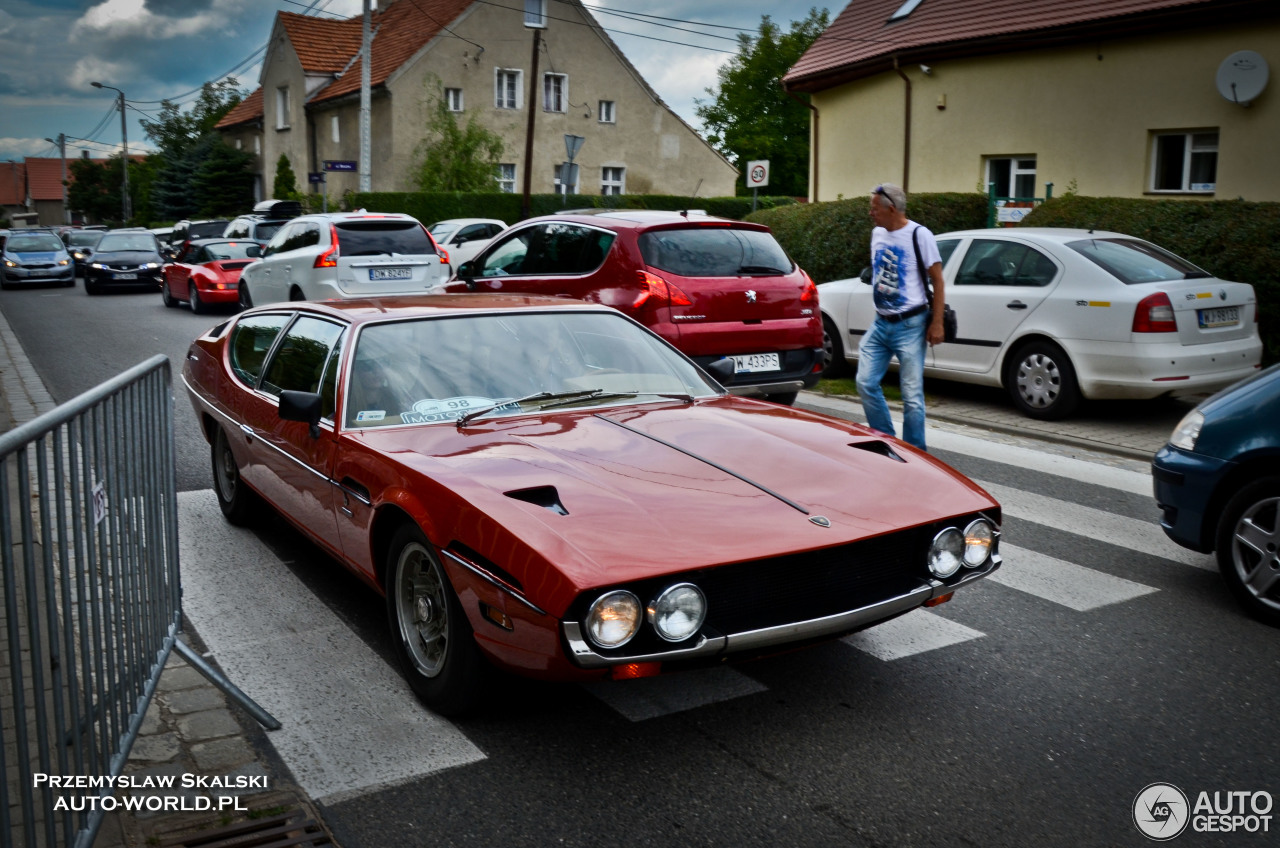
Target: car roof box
x=278, y=208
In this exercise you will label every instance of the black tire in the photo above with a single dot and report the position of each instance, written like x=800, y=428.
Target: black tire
x=1248, y=547
x=91, y=288
x=235, y=499
x=833, y=362
x=244, y=301
x=430, y=633
x=198, y=306
x=167, y=297
x=784, y=398
x=1042, y=381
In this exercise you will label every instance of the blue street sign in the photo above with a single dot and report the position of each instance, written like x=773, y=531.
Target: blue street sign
x=338, y=165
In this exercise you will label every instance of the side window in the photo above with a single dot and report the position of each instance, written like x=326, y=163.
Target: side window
x=1036, y=270
x=329, y=385
x=238, y=229
x=946, y=247
x=250, y=342
x=990, y=263
x=311, y=236
x=299, y=361
x=471, y=233
x=509, y=256
x=566, y=249
x=278, y=241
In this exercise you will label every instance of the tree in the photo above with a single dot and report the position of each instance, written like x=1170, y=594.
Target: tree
x=456, y=158
x=223, y=182
x=285, y=186
x=750, y=117
x=94, y=188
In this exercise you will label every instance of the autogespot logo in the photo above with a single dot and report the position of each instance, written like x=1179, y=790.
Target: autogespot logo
x=1160, y=811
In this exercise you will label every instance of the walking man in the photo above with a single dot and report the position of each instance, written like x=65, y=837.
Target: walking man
x=900, y=250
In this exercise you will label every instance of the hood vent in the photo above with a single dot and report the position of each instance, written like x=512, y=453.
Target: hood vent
x=877, y=446
x=544, y=496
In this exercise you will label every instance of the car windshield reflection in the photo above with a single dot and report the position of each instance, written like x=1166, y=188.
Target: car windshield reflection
x=438, y=370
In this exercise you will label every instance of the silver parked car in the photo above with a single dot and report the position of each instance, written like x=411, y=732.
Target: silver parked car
x=1057, y=315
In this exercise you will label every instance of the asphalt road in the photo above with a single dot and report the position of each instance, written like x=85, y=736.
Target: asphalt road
x=1030, y=710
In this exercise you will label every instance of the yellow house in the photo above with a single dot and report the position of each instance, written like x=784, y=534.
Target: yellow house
x=478, y=56
x=1124, y=98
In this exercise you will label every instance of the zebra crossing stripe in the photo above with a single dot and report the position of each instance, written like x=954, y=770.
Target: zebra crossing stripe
x=1142, y=536
x=914, y=633
x=1074, y=586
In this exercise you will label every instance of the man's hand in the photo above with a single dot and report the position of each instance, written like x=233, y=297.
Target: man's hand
x=936, y=332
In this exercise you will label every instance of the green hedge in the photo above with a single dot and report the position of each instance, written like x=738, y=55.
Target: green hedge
x=832, y=240
x=431, y=207
x=1231, y=239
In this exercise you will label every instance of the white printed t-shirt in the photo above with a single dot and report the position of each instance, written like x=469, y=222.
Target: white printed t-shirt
x=895, y=275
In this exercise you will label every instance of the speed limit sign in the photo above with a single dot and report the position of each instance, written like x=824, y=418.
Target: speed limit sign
x=758, y=173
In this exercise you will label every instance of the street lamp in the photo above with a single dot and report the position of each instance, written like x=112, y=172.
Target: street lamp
x=124, y=144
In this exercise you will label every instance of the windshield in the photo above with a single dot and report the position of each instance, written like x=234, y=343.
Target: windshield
x=205, y=229
x=1131, y=261
x=714, y=252
x=83, y=239
x=42, y=243
x=434, y=370
x=138, y=241
x=232, y=250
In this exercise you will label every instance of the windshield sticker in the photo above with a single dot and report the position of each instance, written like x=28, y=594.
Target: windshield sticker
x=371, y=415
x=430, y=411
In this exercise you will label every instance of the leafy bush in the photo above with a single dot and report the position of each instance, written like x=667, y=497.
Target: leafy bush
x=832, y=240
x=1231, y=239
x=429, y=207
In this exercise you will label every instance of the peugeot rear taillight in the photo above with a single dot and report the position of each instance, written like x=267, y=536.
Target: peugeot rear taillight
x=658, y=292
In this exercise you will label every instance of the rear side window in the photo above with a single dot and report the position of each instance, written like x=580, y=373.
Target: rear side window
x=250, y=342
x=265, y=231
x=1136, y=262
x=550, y=249
x=714, y=252
x=378, y=238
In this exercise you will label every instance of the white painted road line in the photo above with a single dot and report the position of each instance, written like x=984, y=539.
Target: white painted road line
x=914, y=633
x=1141, y=536
x=1082, y=589
x=652, y=697
x=350, y=723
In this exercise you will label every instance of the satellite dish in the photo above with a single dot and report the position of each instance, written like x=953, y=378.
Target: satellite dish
x=1242, y=76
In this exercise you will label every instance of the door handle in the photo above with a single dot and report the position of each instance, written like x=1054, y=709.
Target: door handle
x=1016, y=304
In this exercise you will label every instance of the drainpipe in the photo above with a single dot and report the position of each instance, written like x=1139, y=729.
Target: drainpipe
x=813, y=143
x=906, y=128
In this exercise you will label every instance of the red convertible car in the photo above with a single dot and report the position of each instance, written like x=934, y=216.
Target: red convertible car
x=207, y=272
x=547, y=486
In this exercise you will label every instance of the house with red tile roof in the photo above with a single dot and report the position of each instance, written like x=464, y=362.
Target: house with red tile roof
x=478, y=57
x=1124, y=98
x=13, y=189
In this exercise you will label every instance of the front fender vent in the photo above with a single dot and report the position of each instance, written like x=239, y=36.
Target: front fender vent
x=877, y=446
x=544, y=496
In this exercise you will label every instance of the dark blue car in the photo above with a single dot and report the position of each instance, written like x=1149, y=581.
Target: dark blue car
x=1217, y=483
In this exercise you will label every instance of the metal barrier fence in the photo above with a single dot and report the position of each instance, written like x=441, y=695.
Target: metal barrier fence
x=89, y=555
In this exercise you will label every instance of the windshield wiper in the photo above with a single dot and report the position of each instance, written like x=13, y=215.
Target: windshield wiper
x=760, y=269
x=601, y=394
x=485, y=410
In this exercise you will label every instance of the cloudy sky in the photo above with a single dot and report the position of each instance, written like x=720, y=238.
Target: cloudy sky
x=165, y=49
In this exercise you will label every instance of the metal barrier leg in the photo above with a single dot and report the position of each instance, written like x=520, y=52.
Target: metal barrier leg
x=234, y=692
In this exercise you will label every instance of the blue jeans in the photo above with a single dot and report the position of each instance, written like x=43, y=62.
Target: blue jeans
x=885, y=340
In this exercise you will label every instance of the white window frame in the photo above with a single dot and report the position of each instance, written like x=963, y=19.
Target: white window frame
x=1015, y=170
x=499, y=76
x=607, y=112
x=506, y=178
x=453, y=99
x=282, y=107
x=613, y=180
x=555, y=92
x=1189, y=149
x=335, y=130
x=535, y=14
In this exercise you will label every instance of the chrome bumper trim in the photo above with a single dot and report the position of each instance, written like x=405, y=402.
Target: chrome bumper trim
x=766, y=388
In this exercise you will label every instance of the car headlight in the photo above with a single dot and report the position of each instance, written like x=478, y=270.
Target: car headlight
x=152, y=265
x=64, y=261
x=99, y=266
x=978, y=537
x=1188, y=430
x=613, y=619
x=946, y=553
x=9, y=263
x=678, y=612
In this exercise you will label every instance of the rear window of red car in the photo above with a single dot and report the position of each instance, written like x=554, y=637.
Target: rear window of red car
x=714, y=252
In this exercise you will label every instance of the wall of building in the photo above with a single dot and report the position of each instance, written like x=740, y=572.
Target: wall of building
x=282, y=68
x=1087, y=114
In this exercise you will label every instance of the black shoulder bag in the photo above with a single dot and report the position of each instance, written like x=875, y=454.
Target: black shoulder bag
x=950, y=325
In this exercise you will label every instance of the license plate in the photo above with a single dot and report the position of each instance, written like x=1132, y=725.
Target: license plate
x=390, y=274
x=126, y=276
x=1223, y=316
x=752, y=362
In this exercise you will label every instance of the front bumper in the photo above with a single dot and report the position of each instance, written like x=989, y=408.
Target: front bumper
x=123, y=278
x=56, y=274
x=1184, y=484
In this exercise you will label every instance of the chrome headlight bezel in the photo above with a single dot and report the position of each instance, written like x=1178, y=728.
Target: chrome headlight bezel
x=979, y=539
x=1187, y=432
x=613, y=609
x=684, y=599
x=946, y=552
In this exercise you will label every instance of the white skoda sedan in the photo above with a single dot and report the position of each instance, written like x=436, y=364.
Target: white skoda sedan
x=1056, y=315
x=344, y=255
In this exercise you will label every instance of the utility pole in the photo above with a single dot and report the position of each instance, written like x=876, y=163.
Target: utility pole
x=533, y=111
x=125, y=206
x=366, y=175
x=62, y=154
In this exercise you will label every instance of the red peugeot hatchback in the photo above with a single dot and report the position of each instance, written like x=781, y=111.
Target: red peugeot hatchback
x=712, y=287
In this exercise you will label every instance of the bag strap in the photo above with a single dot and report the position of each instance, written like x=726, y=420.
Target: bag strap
x=924, y=274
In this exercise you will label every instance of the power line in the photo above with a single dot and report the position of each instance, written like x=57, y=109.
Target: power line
x=596, y=25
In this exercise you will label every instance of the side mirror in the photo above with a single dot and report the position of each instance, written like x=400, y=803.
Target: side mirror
x=865, y=276
x=301, y=406
x=723, y=370
x=253, y=251
x=467, y=273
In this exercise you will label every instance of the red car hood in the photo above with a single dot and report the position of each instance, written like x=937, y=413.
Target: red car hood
x=656, y=489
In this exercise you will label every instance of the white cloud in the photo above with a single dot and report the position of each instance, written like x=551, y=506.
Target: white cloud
x=132, y=19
